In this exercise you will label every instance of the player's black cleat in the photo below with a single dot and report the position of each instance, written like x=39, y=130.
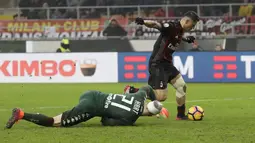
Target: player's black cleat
x=14, y=118
x=182, y=118
x=130, y=89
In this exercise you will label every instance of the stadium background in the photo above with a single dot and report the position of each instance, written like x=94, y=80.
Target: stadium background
x=37, y=26
x=103, y=56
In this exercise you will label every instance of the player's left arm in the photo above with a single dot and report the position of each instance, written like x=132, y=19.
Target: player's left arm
x=162, y=27
x=189, y=39
x=148, y=23
x=150, y=94
x=152, y=24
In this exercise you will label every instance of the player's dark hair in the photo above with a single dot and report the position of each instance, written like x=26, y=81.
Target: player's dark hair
x=193, y=15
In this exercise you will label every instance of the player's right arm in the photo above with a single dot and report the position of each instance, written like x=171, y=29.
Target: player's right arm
x=149, y=92
x=154, y=24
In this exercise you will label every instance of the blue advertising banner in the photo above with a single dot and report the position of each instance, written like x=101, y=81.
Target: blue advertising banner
x=194, y=66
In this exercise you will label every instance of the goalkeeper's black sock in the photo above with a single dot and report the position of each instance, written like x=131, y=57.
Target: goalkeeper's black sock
x=39, y=119
x=181, y=111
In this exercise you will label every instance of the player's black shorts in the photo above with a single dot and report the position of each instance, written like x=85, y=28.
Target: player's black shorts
x=161, y=75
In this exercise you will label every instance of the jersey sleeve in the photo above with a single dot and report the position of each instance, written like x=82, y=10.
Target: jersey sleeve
x=167, y=27
x=148, y=92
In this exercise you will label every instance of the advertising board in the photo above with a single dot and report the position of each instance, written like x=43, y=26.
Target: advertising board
x=58, y=68
x=194, y=66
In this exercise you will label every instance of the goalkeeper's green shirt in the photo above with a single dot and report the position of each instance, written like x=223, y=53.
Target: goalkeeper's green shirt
x=126, y=107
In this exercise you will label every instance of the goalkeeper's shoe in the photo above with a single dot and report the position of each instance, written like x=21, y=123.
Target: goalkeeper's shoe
x=182, y=117
x=130, y=89
x=17, y=114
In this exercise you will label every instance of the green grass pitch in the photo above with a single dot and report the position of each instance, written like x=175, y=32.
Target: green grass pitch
x=229, y=115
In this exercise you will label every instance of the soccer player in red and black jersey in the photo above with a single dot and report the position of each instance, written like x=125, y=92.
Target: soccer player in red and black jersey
x=161, y=68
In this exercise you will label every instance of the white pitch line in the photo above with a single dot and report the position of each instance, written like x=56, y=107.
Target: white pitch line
x=4, y=110
x=212, y=100
x=190, y=101
x=39, y=108
x=52, y=107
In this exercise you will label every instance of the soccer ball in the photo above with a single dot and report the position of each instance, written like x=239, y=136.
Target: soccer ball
x=196, y=113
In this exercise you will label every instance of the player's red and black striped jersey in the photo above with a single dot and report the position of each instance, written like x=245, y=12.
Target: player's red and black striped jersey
x=170, y=37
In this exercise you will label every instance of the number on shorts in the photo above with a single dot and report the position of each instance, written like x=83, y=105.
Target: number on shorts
x=129, y=102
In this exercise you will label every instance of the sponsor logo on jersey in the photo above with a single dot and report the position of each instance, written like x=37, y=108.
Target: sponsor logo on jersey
x=172, y=47
x=161, y=84
x=137, y=106
x=108, y=101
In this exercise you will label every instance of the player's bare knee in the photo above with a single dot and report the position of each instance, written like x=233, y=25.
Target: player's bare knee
x=161, y=94
x=162, y=98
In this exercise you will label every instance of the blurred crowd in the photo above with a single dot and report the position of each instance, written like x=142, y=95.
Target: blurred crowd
x=197, y=48
x=57, y=3
x=33, y=10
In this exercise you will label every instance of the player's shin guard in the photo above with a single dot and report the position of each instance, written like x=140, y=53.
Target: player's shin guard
x=39, y=119
x=181, y=88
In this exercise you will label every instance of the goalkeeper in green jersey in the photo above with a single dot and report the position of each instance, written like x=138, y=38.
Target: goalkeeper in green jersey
x=114, y=110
